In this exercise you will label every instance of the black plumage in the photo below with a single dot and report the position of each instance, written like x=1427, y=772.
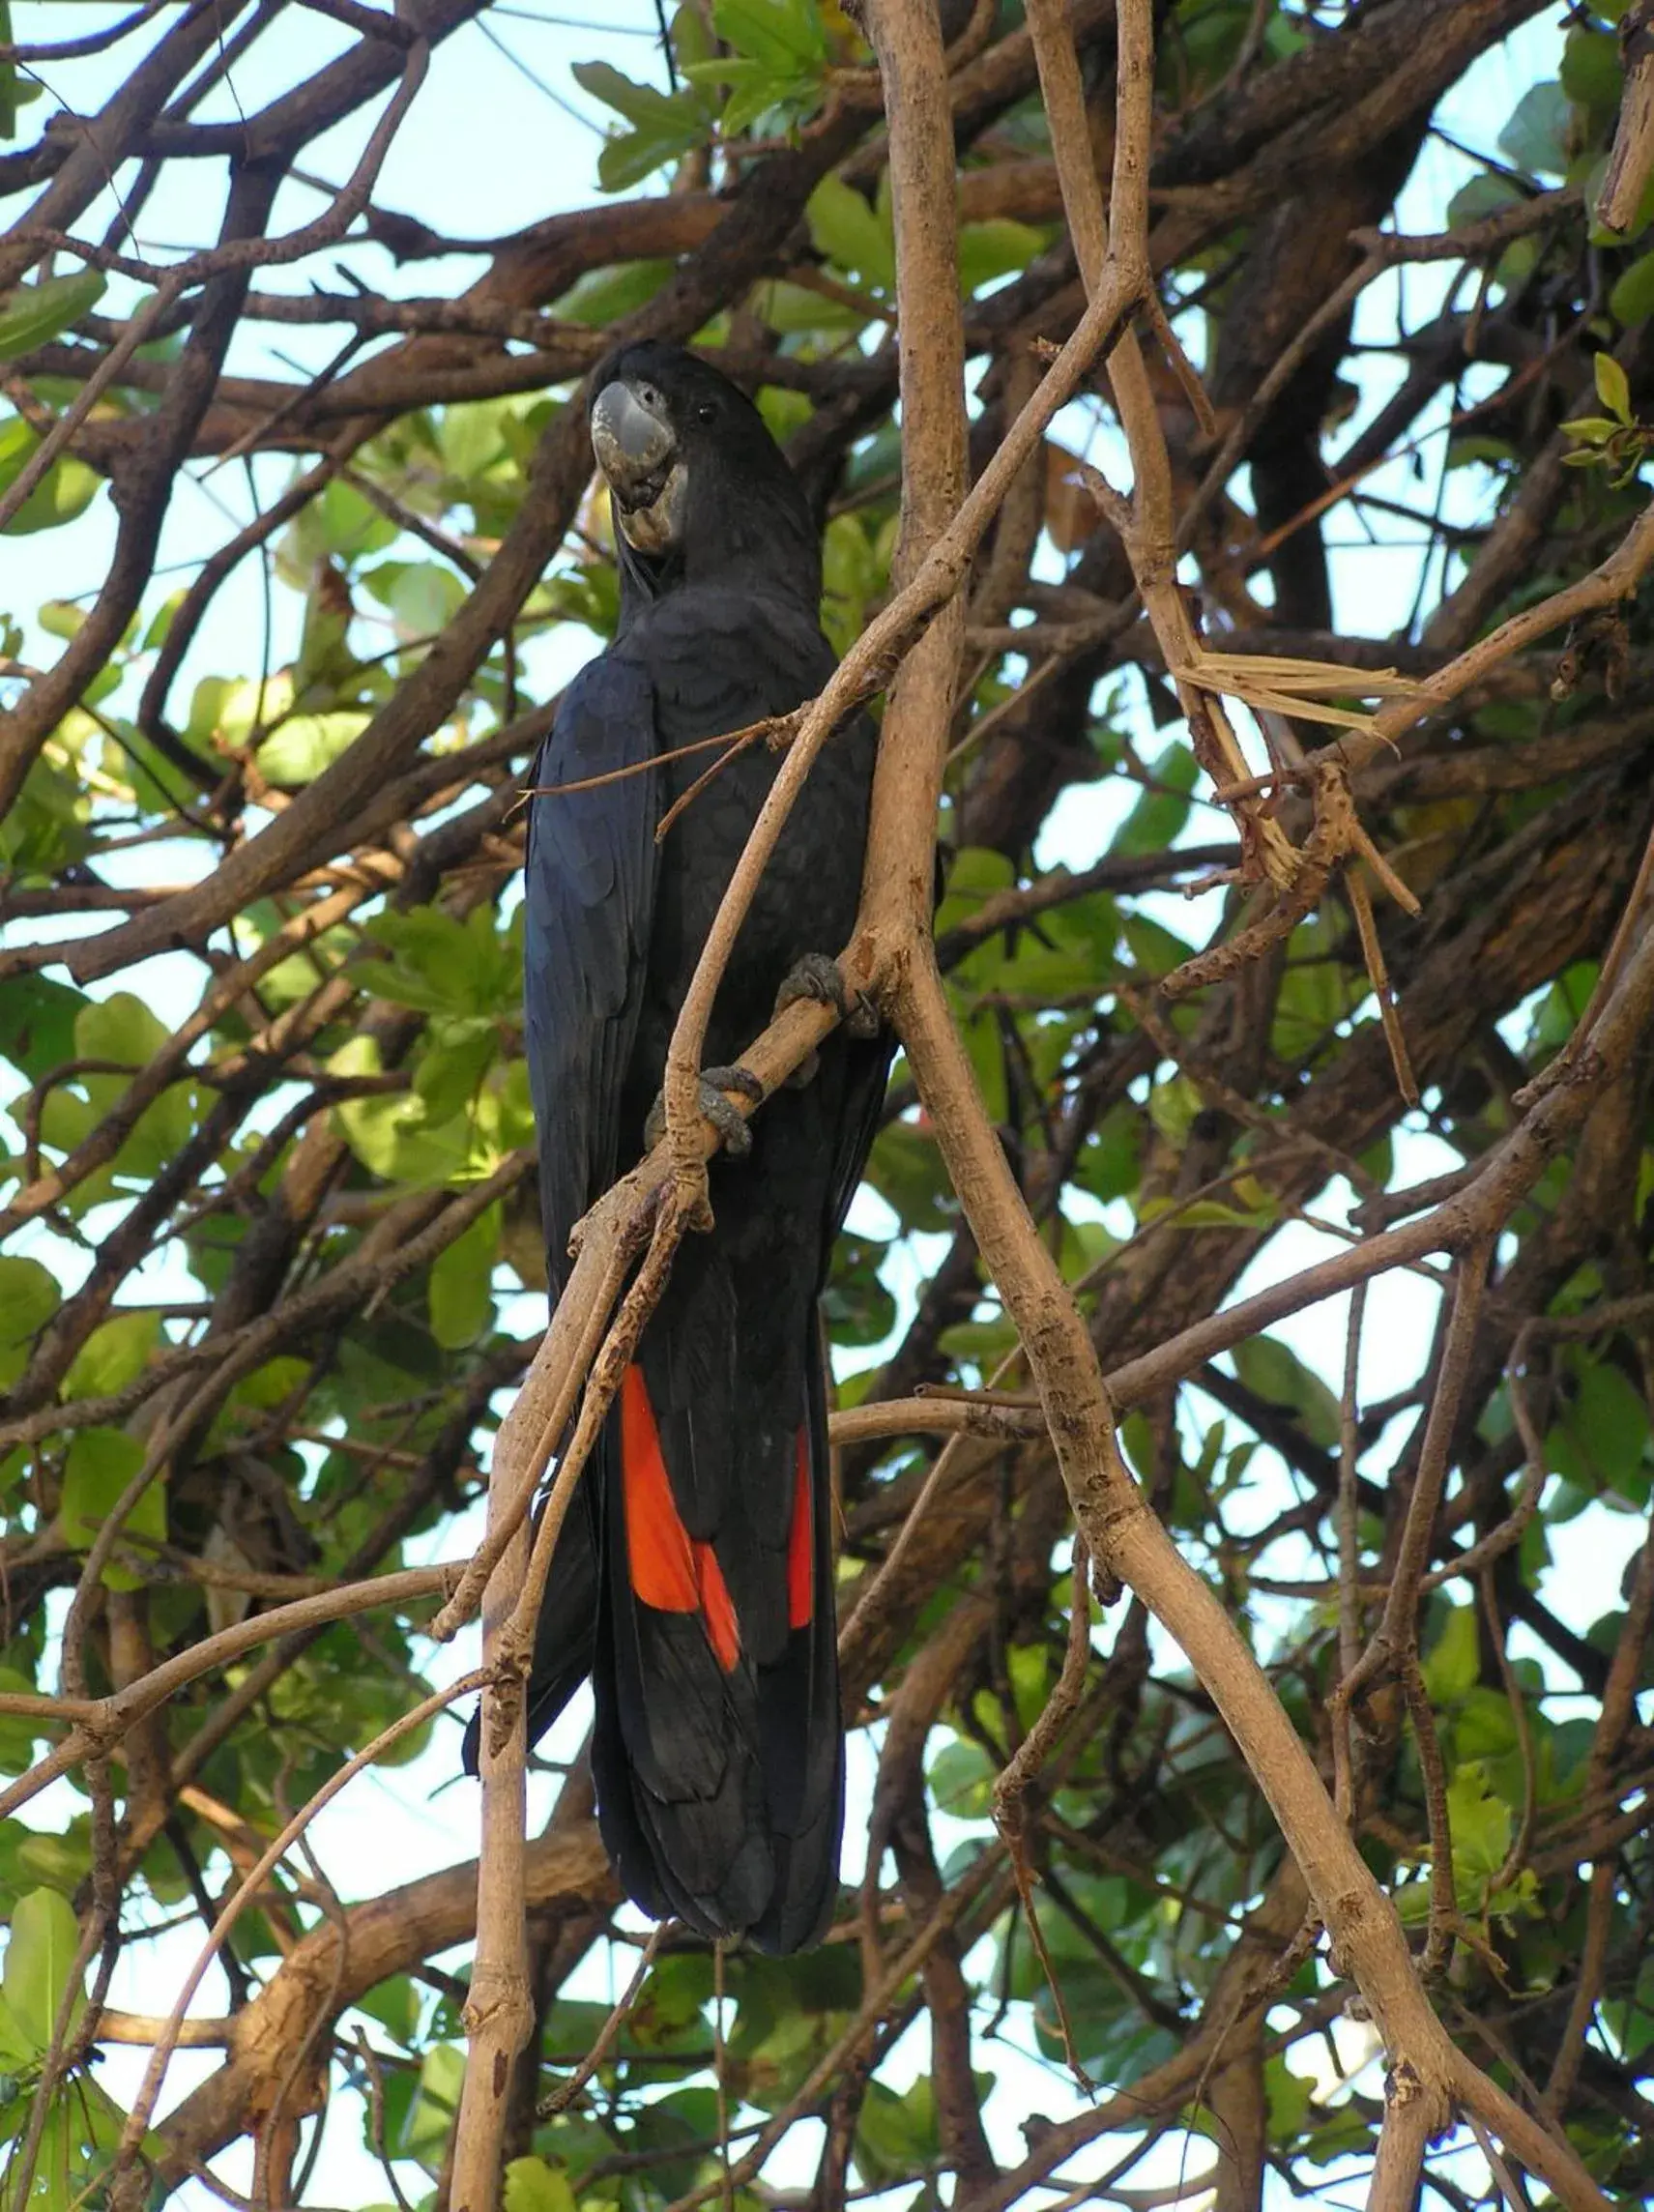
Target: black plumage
x=694, y=1575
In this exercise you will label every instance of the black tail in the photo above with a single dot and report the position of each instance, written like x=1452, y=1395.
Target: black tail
x=695, y=1577
x=718, y=1760
x=718, y=1751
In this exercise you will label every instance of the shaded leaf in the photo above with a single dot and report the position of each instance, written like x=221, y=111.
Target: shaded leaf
x=29, y=1296
x=100, y=1464
x=32, y=313
x=40, y=1958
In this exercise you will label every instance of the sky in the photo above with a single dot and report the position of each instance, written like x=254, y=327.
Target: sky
x=502, y=135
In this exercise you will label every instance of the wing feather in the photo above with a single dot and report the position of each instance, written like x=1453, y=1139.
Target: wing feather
x=590, y=885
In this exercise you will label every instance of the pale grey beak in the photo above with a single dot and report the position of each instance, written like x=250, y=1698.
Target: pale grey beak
x=632, y=441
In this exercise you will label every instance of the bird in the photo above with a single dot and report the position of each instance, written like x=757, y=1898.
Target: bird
x=693, y=1577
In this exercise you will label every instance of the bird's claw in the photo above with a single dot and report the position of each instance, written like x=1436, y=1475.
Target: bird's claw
x=714, y=1107
x=820, y=977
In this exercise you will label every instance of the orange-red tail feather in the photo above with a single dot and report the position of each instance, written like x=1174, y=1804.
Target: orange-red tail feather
x=801, y=1543
x=668, y=1568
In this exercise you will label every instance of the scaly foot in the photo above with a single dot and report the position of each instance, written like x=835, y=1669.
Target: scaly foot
x=818, y=976
x=714, y=1107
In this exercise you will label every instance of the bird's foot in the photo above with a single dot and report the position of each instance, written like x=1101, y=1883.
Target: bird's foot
x=714, y=1107
x=819, y=977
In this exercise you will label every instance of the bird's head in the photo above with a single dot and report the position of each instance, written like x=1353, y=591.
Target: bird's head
x=698, y=484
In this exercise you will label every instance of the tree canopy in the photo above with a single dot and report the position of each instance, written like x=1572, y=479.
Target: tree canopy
x=1285, y=1097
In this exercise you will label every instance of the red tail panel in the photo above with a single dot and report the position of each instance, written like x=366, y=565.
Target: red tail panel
x=801, y=1543
x=668, y=1569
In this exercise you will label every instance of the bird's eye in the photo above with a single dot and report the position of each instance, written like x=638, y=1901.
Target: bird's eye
x=706, y=412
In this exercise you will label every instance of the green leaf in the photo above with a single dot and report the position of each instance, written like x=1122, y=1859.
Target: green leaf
x=112, y=1355
x=962, y=1780
x=30, y=1859
x=976, y=874
x=779, y=60
x=793, y=310
x=905, y=1169
x=16, y=2048
x=664, y=124
x=1536, y=136
x=440, y=965
x=425, y=2133
x=35, y=312
x=1290, y=2100
x=1600, y=1441
x=753, y=92
x=29, y=1296
x=40, y=1958
x=1206, y=1214
x=1481, y=1825
x=1613, y=387
x=391, y=1135
x=61, y=618
x=1154, y=822
x=340, y=521
x=1591, y=75
x=457, y=1057
x=99, y=1466
x=425, y=596
x=36, y=1023
x=1487, y=194
x=1269, y=1367
x=16, y=91
x=1455, y=1660
x=896, y=2136
x=639, y=104
x=461, y=1287
x=270, y=1383
x=1632, y=300
x=1462, y=451
x=853, y=236
x=65, y=492
x=1341, y=2133
x=120, y=1028
x=1173, y=1106
x=691, y=35
x=602, y=296
x=982, y=1343
x=18, y=1733
x=532, y=2186
x=305, y=744
x=396, y=2006
x=988, y=250
x=859, y=1310
x=787, y=35
x=124, y=1032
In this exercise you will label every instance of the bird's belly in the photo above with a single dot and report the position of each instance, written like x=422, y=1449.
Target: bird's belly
x=805, y=901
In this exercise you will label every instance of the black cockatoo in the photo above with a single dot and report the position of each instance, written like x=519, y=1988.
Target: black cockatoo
x=693, y=1578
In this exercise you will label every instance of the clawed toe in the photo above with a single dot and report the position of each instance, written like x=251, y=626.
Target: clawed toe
x=818, y=977
x=726, y=1119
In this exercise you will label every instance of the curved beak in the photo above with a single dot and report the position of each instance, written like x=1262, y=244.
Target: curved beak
x=632, y=441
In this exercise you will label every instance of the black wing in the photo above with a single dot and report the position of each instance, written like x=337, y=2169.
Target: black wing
x=589, y=896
